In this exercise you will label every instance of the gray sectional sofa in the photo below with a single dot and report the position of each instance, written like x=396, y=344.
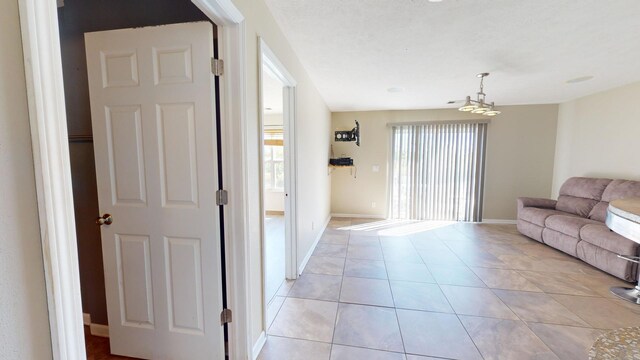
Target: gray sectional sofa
x=575, y=223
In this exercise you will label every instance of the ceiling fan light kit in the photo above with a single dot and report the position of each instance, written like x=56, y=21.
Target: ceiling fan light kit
x=480, y=105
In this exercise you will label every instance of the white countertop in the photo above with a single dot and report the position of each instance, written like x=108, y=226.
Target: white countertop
x=626, y=208
x=623, y=217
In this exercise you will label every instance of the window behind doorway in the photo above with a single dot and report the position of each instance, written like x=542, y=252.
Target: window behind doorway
x=274, y=159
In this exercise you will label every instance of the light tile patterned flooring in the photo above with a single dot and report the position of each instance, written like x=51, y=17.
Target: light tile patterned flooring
x=379, y=290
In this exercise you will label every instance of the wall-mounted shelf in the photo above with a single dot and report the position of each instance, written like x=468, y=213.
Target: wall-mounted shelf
x=80, y=138
x=353, y=169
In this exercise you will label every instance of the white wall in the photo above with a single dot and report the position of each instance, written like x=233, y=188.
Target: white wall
x=519, y=159
x=314, y=118
x=598, y=135
x=273, y=119
x=273, y=200
x=24, y=322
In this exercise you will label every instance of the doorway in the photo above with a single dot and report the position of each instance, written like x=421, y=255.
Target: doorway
x=278, y=195
x=50, y=141
x=74, y=20
x=273, y=183
x=130, y=260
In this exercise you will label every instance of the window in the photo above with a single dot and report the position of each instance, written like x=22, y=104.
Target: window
x=273, y=160
x=437, y=171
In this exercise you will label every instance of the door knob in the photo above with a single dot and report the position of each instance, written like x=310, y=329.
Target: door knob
x=106, y=219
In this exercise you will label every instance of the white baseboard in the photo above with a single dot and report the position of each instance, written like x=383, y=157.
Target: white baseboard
x=360, y=216
x=95, y=329
x=257, y=347
x=99, y=330
x=304, y=262
x=364, y=216
x=499, y=221
x=86, y=319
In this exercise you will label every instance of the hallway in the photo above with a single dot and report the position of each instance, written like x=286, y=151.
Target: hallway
x=424, y=290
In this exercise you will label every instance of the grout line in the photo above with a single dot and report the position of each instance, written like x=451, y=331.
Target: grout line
x=572, y=326
x=353, y=346
x=366, y=348
x=276, y=293
x=469, y=335
x=539, y=338
x=454, y=310
x=395, y=309
x=266, y=332
x=335, y=321
x=505, y=304
x=294, y=338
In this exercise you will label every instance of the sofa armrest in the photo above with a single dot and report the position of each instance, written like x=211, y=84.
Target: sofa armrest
x=536, y=202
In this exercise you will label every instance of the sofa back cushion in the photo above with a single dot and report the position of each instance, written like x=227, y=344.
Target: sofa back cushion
x=579, y=195
x=617, y=189
x=575, y=205
x=599, y=212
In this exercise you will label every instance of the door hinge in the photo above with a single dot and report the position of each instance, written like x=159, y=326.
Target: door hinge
x=217, y=67
x=225, y=316
x=222, y=197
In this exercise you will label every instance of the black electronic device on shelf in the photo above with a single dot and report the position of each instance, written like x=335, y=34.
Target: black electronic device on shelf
x=343, y=161
x=349, y=135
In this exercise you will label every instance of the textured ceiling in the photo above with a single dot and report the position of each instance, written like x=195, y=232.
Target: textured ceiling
x=355, y=50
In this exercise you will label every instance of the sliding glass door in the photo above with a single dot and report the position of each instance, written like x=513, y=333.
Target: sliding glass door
x=437, y=171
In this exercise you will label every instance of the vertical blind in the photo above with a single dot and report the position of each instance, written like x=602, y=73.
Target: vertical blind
x=437, y=171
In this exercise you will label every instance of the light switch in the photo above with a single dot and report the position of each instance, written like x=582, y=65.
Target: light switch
x=375, y=168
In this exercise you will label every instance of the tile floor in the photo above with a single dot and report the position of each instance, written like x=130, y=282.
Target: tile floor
x=379, y=290
x=275, y=254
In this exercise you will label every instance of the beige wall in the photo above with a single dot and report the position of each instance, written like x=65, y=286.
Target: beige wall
x=24, y=323
x=312, y=151
x=598, y=136
x=520, y=155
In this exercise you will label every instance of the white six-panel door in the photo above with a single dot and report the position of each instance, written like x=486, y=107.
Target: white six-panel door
x=153, y=115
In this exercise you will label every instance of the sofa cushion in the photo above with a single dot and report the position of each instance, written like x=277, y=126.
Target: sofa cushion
x=566, y=224
x=607, y=261
x=617, y=189
x=537, y=216
x=560, y=241
x=575, y=205
x=587, y=188
x=600, y=236
x=621, y=189
x=531, y=230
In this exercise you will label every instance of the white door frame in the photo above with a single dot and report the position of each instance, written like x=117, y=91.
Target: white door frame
x=47, y=118
x=268, y=59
